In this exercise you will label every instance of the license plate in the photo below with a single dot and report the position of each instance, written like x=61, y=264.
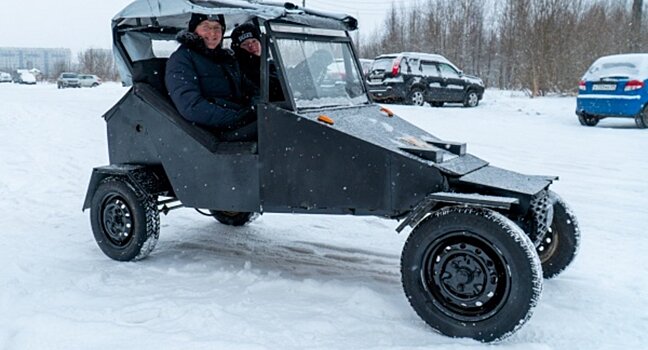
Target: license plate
x=604, y=87
x=376, y=81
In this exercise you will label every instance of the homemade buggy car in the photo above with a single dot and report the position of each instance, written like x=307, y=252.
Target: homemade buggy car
x=482, y=238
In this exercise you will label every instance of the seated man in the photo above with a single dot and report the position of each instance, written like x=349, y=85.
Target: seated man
x=205, y=82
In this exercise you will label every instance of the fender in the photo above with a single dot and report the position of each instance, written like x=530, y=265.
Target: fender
x=146, y=179
x=471, y=200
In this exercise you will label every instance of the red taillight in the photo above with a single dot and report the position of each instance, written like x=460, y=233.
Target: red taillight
x=581, y=85
x=633, y=85
x=396, y=67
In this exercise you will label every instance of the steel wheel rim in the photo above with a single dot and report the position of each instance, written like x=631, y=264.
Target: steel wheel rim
x=417, y=98
x=116, y=220
x=548, y=245
x=464, y=277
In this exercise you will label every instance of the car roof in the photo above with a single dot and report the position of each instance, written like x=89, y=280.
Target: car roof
x=419, y=55
x=176, y=13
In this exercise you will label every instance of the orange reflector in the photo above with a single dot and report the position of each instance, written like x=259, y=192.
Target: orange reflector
x=387, y=110
x=325, y=119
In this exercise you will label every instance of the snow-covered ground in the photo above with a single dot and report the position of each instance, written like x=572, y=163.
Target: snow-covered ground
x=301, y=282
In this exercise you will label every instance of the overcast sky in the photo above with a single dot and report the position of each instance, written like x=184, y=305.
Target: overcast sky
x=81, y=24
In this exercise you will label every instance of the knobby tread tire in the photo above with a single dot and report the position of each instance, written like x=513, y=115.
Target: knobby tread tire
x=146, y=216
x=508, y=239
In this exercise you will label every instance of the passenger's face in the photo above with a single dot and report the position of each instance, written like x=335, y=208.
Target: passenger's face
x=252, y=46
x=211, y=32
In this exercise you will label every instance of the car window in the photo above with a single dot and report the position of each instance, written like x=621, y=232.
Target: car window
x=429, y=69
x=322, y=74
x=413, y=64
x=383, y=63
x=69, y=76
x=447, y=71
x=615, y=68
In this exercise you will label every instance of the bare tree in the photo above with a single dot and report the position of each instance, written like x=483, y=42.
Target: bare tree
x=541, y=46
x=635, y=26
x=97, y=61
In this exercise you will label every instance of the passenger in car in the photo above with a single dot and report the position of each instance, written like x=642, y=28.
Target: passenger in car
x=246, y=44
x=206, y=84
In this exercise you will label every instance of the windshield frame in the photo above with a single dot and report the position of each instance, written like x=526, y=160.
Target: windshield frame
x=300, y=36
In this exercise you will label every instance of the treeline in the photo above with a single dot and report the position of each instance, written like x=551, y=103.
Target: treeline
x=537, y=45
x=99, y=62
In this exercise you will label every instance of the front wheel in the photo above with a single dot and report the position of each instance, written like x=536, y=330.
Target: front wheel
x=471, y=272
x=233, y=218
x=471, y=99
x=125, y=222
x=587, y=120
x=559, y=246
x=415, y=97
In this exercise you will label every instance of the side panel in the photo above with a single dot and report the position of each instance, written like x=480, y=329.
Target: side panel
x=204, y=173
x=309, y=166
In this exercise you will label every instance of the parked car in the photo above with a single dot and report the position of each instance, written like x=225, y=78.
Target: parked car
x=614, y=86
x=482, y=237
x=66, y=80
x=416, y=78
x=5, y=77
x=24, y=77
x=89, y=80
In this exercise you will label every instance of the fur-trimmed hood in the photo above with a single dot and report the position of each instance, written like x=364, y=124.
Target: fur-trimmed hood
x=195, y=43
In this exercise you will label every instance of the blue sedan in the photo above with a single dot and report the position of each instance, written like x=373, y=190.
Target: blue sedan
x=614, y=86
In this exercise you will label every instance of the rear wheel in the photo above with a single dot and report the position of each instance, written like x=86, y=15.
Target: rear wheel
x=587, y=120
x=415, y=97
x=641, y=119
x=471, y=272
x=471, y=99
x=125, y=222
x=233, y=218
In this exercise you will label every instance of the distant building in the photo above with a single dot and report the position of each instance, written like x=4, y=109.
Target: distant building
x=45, y=60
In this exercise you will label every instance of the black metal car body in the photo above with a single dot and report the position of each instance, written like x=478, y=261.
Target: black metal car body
x=469, y=270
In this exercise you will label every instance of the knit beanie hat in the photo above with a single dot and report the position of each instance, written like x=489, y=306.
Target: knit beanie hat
x=243, y=32
x=197, y=18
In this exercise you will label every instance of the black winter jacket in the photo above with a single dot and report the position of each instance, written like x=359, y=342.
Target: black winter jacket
x=251, y=69
x=207, y=86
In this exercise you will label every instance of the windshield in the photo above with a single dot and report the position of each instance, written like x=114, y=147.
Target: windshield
x=322, y=74
x=69, y=76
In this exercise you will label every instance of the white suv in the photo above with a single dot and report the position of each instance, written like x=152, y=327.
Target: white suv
x=89, y=80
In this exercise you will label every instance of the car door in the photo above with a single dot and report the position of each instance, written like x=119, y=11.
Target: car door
x=435, y=91
x=455, y=85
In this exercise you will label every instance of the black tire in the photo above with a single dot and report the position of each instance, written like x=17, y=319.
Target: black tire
x=641, y=119
x=415, y=97
x=125, y=222
x=471, y=99
x=233, y=218
x=471, y=272
x=560, y=245
x=436, y=104
x=587, y=120
x=94, y=85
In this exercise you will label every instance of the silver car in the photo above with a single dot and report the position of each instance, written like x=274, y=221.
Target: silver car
x=89, y=80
